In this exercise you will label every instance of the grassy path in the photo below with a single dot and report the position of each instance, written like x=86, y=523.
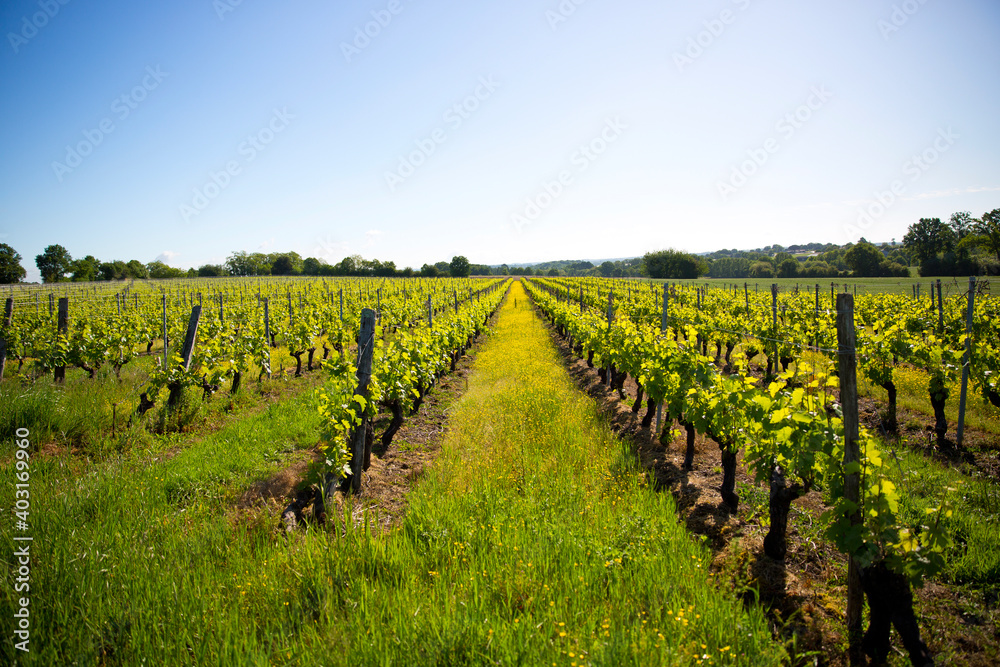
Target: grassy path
x=533, y=540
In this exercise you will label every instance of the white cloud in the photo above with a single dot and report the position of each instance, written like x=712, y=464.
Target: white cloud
x=329, y=249
x=167, y=256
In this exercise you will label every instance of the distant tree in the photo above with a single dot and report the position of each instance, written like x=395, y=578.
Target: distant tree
x=240, y=264
x=211, y=271
x=349, y=266
x=606, y=269
x=115, y=270
x=671, y=264
x=191, y=273
x=527, y=271
x=54, y=263
x=459, y=267
x=386, y=269
x=761, y=269
x=729, y=267
x=899, y=255
x=408, y=272
x=312, y=266
x=926, y=238
x=987, y=231
x=553, y=271
x=480, y=270
x=781, y=257
x=429, y=271
x=788, y=268
x=815, y=269
x=135, y=269
x=11, y=270
x=283, y=266
x=504, y=270
x=864, y=259
x=293, y=258
x=962, y=224
x=159, y=270
x=261, y=264
x=86, y=269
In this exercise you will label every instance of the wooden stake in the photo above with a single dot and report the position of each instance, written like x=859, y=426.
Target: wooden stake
x=966, y=359
x=847, y=371
x=360, y=452
x=8, y=317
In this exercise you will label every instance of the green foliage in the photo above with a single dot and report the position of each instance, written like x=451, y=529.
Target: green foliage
x=11, y=270
x=54, y=263
x=761, y=270
x=672, y=264
x=793, y=423
x=864, y=259
x=459, y=267
x=928, y=237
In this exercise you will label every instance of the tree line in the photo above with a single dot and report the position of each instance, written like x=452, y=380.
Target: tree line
x=55, y=264
x=962, y=246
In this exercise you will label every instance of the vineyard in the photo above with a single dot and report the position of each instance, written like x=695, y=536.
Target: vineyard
x=760, y=376
x=177, y=376
x=203, y=336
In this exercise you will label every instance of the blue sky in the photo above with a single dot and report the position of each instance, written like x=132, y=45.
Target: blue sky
x=522, y=131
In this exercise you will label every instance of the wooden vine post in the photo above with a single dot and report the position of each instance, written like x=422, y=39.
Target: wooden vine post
x=940, y=308
x=8, y=317
x=360, y=448
x=164, y=329
x=663, y=330
x=60, y=371
x=267, y=335
x=847, y=372
x=966, y=360
x=189, y=339
x=774, y=325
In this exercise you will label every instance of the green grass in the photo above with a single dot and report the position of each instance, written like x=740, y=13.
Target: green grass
x=533, y=540
x=911, y=385
x=974, y=558
x=83, y=413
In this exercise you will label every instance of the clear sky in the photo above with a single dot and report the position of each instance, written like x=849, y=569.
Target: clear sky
x=516, y=131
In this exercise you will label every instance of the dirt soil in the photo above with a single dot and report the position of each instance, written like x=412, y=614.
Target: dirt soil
x=392, y=472
x=805, y=594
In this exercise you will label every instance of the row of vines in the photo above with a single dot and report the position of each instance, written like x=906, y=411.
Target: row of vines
x=690, y=352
